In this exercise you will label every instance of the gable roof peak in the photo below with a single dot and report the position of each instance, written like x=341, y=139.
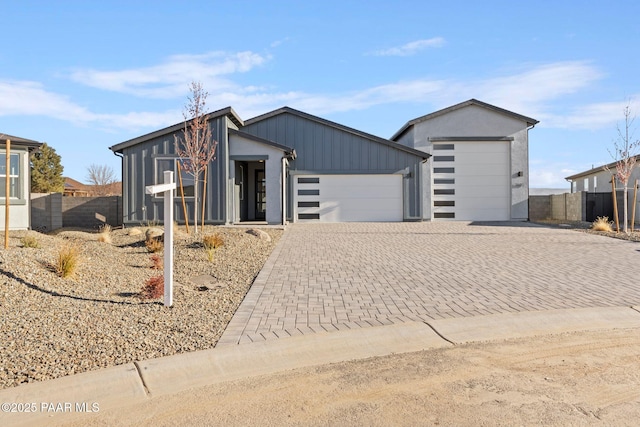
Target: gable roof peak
x=528, y=120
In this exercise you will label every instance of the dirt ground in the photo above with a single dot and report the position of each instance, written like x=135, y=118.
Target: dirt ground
x=586, y=378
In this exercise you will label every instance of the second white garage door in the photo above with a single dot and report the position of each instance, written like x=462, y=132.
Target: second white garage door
x=471, y=180
x=348, y=198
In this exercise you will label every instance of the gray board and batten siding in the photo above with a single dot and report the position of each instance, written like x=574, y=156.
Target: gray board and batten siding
x=325, y=147
x=138, y=172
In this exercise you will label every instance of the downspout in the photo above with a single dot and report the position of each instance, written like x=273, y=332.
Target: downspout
x=528, y=183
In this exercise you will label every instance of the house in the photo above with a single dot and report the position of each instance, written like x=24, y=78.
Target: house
x=288, y=165
x=480, y=164
x=19, y=181
x=73, y=188
x=598, y=179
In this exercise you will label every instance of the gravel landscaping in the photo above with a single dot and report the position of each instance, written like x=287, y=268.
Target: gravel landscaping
x=52, y=327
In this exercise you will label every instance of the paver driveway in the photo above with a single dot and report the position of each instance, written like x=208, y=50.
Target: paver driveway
x=328, y=277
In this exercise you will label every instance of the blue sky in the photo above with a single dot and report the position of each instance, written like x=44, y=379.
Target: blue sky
x=85, y=75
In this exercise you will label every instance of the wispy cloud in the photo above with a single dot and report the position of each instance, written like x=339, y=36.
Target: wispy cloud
x=30, y=98
x=171, y=78
x=411, y=48
x=531, y=92
x=595, y=116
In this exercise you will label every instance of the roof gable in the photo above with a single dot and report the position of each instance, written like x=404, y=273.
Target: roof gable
x=603, y=168
x=528, y=120
x=334, y=125
x=228, y=112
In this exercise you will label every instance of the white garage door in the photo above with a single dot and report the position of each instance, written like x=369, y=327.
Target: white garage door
x=346, y=198
x=471, y=180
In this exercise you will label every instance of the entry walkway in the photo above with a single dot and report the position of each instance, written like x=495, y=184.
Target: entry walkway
x=334, y=277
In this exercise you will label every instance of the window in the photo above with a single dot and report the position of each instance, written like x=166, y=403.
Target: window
x=444, y=170
x=595, y=183
x=450, y=215
x=14, y=175
x=444, y=158
x=444, y=192
x=586, y=184
x=170, y=164
x=444, y=181
x=443, y=146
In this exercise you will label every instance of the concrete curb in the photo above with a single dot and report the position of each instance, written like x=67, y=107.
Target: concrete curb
x=128, y=384
x=531, y=323
x=72, y=396
x=180, y=372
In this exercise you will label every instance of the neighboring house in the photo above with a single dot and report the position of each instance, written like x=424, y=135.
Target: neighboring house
x=598, y=179
x=290, y=165
x=480, y=164
x=19, y=181
x=73, y=188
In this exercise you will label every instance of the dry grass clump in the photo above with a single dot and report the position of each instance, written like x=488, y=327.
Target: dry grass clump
x=156, y=262
x=30, y=241
x=153, y=245
x=153, y=288
x=68, y=260
x=212, y=242
x=105, y=233
x=602, y=223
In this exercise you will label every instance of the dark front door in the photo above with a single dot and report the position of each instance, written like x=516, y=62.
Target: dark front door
x=261, y=195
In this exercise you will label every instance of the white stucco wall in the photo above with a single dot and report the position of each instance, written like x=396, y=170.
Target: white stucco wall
x=476, y=121
x=19, y=213
x=600, y=182
x=239, y=146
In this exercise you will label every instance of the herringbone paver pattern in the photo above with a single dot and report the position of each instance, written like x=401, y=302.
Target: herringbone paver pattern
x=328, y=277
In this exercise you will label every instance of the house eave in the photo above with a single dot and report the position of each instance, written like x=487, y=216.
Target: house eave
x=228, y=112
x=29, y=144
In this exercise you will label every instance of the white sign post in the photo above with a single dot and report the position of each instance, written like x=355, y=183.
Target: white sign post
x=167, y=188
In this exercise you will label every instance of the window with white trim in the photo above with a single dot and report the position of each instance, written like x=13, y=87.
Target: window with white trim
x=14, y=175
x=171, y=164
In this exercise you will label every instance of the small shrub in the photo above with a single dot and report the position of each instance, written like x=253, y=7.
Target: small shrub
x=156, y=262
x=211, y=242
x=30, y=241
x=602, y=224
x=153, y=288
x=68, y=260
x=105, y=233
x=153, y=245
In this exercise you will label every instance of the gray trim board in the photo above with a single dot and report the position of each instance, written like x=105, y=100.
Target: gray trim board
x=470, y=138
x=249, y=157
x=348, y=172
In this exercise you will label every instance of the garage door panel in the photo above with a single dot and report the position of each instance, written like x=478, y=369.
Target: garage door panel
x=481, y=192
x=498, y=203
x=482, y=177
x=480, y=147
x=481, y=181
x=358, y=197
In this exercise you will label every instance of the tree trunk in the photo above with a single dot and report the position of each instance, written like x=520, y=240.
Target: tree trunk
x=195, y=201
x=625, y=203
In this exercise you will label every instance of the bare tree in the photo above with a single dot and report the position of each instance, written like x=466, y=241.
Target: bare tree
x=196, y=144
x=102, y=178
x=624, y=153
